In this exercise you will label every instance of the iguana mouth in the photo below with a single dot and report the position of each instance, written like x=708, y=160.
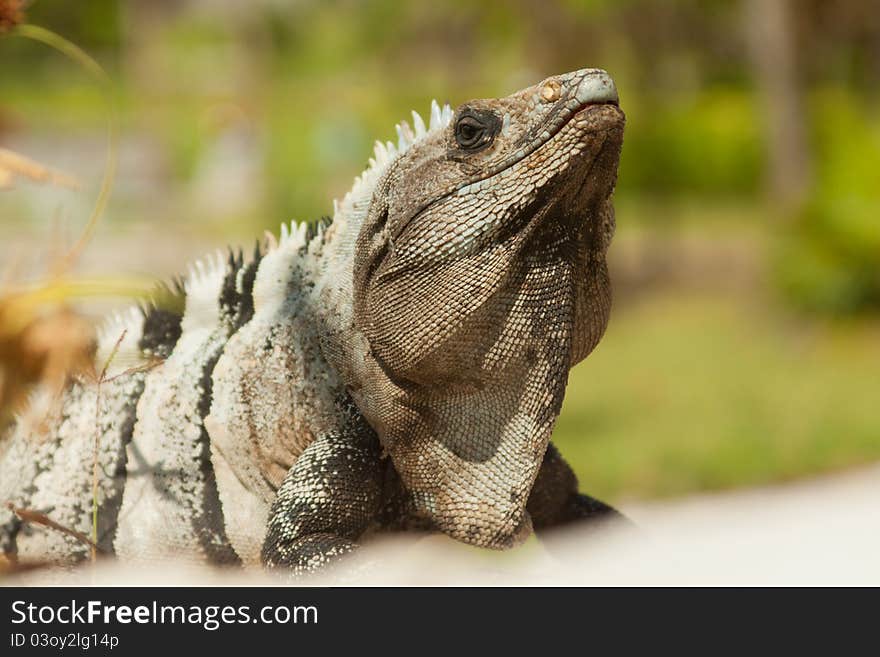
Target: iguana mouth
x=587, y=109
x=578, y=113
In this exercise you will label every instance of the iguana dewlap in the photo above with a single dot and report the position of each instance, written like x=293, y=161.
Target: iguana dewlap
x=399, y=366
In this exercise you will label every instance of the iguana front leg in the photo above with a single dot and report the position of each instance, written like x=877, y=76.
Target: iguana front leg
x=555, y=500
x=328, y=498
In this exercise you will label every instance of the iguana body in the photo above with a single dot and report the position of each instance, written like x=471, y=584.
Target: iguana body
x=399, y=366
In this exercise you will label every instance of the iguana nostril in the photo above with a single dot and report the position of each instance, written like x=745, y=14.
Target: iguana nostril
x=551, y=91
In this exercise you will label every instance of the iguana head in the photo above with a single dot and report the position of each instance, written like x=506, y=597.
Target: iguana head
x=479, y=279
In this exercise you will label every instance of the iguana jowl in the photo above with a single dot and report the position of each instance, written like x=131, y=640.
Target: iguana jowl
x=399, y=366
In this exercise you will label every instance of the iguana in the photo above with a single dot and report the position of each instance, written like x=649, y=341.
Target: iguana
x=400, y=366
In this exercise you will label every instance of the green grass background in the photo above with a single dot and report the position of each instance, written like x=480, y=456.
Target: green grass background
x=689, y=393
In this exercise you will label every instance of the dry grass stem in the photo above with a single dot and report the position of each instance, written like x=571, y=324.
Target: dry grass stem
x=13, y=166
x=37, y=518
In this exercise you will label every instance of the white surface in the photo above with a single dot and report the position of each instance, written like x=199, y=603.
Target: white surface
x=822, y=532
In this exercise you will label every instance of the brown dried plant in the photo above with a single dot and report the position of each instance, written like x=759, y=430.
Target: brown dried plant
x=11, y=14
x=39, y=348
x=43, y=340
x=13, y=165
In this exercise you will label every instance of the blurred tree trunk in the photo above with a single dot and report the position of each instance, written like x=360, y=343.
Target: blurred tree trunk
x=770, y=31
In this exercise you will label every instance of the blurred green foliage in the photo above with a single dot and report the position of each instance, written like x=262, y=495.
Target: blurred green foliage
x=828, y=257
x=710, y=146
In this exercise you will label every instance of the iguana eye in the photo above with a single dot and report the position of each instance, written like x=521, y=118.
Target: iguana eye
x=475, y=129
x=468, y=132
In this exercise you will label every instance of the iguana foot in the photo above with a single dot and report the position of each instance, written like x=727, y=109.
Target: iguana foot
x=328, y=498
x=555, y=501
x=585, y=509
x=307, y=554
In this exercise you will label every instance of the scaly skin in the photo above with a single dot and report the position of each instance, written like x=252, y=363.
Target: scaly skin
x=401, y=366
